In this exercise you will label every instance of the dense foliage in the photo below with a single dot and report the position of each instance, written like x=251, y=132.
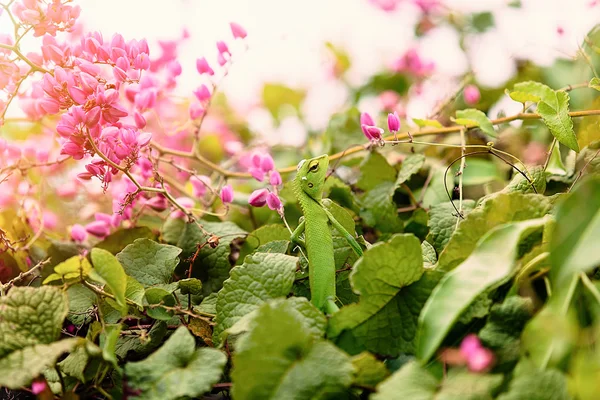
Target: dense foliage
x=140, y=263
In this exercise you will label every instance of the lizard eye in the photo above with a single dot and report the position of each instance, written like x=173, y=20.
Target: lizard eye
x=310, y=185
x=314, y=168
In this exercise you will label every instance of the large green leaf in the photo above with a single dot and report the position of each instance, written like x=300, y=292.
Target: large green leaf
x=496, y=210
x=280, y=359
x=492, y=263
x=574, y=243
x=150, y=263
x=463, y=385
x=410, y=166
x=534, y=92
x=532, y=384
x=108, y=270
x=212, y=265
x=410, y=382
x=262, y=236
x=387, y=278
x=374, y=171
x=473, y=117
x=176, y=370
x=379, y=210
x=118, y=240
x=81, y=303
x=30, y=322
x=443, y=220
x=558, y=120
x=263, y=276
x=369, y=370
x=73, y=268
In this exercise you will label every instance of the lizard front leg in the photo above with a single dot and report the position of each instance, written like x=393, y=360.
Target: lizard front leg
x=295, y=238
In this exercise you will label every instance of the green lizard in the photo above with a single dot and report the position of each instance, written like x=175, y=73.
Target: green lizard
x=308, y=187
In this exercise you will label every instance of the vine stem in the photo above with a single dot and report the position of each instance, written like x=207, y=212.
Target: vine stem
x=22, y=275
x=460, y=174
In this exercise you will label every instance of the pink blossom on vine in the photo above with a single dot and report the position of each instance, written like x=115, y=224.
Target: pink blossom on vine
x=37, y=387
x=199, y=185
x=273, y=201
x=275, y=178
x=393, y=122
x=202, y=93
x=411, y=62
x=203, y=67
x=196, y=110
x=98, y=228
x=158, y=203
x=50, y=18
x=258, y=198
x=471, y=94
x=238, y=31
x=266, y=163
x=478, y=358
x=372, y=132
x=186, y=203
x=227, y=194
x=78, y=233
x=222, y=47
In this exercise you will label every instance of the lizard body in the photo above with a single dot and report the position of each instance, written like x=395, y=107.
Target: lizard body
x=308, y=188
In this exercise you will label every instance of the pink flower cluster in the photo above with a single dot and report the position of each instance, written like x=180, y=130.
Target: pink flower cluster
x=373, y=132
x=261, y=167
x=472, y=354
x=412, y=63
x=46, y=17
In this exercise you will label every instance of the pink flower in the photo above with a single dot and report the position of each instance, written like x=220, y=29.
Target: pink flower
x=38, y=387
x=158, y=203
x=273, y=201
x=203, y=67
x=258, y=174
x=237, y=30
x=479, y=359
x=393, y=122
x=258, y=198
x=366, y=119
x=78, y=233
x=199, y=185
x=266, y=163
x=202, y=93
x=222, y=47
x=471, y=94
x=196, y=110
x=275, y=178
x=100, y=229
x=372, y=132
x=227, y=194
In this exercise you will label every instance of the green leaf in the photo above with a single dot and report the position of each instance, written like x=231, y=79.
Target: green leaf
x=262, y=236
x=532, y=384
x=81, y=302
x=134, y=291
x=555, y=164
x=594, y=83
x=158, y=296
x=574, y=243
x=409, y=382
x=208, y=305
x=502, y=332
x=384, y=319
x=558, y=120
x=463, y=385
x=496, y=210
x=537, y=179
x=486, y=267
x=150, y=263
x=76, y=364
x=20, y=367
x=429, y=256
x=176, y=370
x=73, y=268
x=139, y=345
x=279, y=359
x=191, y=286
x=375, y=170
x=369, y=370
x=473, y=117
x=378, y=209
x=108, y=270
x=262, y=277
x=212, y=265
x=118, y=240
x=436, y=192
x=442, y=222
x=427, y=122
x=108, y=343
x=410, y=166
x=479, y=171
x=31, y=321
x=532, y=91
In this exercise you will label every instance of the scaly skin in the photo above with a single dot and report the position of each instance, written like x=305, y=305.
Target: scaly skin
x=308, y=188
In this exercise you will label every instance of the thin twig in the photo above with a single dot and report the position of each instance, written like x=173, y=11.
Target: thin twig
x=22, y=275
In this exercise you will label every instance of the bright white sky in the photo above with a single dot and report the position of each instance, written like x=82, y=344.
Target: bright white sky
x=286, y=41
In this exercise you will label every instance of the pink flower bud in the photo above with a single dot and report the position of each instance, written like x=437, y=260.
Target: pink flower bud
x=275, y=178
x=471, y=94
x=222, y=47
x=158, y=203
x=37, y=387
x=393, y=122
x=237, y=30
x=199, y=185
x=78, y=233
x=372, y=132
x=98, y=228
x=203, y=67
x=227, y=194
x=273, y=201
x=258, y=198
x=480, y=360
x=202, y=93
x=140, y=121
x=196, y=110
x=266, y=163
x=366, y=119
x=174, y=68
x=469, y=345
x=257, y=174
x=221, y=60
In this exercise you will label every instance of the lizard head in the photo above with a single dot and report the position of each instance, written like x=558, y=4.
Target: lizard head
x=311, y=175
